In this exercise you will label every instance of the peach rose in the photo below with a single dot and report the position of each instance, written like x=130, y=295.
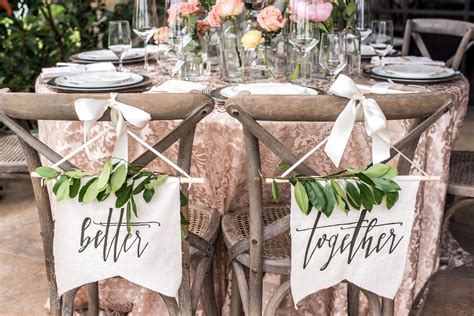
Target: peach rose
x=214, y=19
x=270, y=19
x=227, y=8
x=161, y=35
x=318, y=10
x=188, y=8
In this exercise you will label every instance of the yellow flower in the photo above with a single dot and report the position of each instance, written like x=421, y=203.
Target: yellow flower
x=251, y=39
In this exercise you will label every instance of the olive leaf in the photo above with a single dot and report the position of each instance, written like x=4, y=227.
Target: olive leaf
x=302, y=198
x=104, y=176
x=91, y=192
x=154, y=183
x=123, y=196
x=381, y=171
x=118, y=177
x=275, y=191
x=330, y=200
x=46, y=172
x=74, y=188
x=353, y=195
x=63, y=190
x=183, y=199
x=148, y=194
x=283, y=166
x=391, y=199
x=366, y=196
x=340, y=196
x=83, y=190
x=58, y=183
x=76, y=174
x=319, y=200
x=386, y=185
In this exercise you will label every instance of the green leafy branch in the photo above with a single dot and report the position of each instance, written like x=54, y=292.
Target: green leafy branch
x=349, y=189
x=114, y=178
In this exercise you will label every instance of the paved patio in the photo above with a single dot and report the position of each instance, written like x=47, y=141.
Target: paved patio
x=23, y=286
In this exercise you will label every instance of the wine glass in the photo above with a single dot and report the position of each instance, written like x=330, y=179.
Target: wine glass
x=119, y=40
x=304, y=34
x=145, y=23
x=382, y=37
x=332, y=53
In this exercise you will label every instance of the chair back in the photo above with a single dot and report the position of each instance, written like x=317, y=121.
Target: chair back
x=425, y=108
x=462, y=29
x=190, y=108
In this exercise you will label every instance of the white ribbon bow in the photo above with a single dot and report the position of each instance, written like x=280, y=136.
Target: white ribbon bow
x=91, y=110
x=358, y=108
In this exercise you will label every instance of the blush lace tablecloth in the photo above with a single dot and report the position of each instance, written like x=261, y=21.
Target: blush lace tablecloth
x=219, y=157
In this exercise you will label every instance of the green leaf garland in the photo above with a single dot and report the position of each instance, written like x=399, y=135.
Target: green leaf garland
x=351, y=189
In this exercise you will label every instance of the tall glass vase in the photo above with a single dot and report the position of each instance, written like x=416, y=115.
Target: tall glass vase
x=231, y=51
x=196, y=63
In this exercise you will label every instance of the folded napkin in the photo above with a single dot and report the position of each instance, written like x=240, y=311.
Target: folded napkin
x=406, y=60
x=177, y=86
x=72, y=69
x=390, y=88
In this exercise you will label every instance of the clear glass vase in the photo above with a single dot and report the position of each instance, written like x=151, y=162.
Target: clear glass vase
x=353, y=50
x=263, y=66
x=231, y=52
x=196, y=66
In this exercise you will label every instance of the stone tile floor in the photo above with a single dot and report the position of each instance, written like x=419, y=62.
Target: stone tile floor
x=23, y=286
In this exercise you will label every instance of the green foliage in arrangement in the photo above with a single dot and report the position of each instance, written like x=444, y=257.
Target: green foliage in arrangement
x=351, y=189
x=114, y=178
x=41, y=33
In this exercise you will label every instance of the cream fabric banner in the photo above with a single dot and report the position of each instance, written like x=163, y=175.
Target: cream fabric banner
x=91, y=241
x=368, y=249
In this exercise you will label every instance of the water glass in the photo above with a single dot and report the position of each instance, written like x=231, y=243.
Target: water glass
x=304, y=35
x=382, y=36
x=332, y=53
x=145, y=23
x=119, y=40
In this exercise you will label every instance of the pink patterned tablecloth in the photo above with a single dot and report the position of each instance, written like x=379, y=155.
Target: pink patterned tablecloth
x=219, y=157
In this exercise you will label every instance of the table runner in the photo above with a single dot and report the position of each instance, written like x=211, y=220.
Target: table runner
x=218, y=156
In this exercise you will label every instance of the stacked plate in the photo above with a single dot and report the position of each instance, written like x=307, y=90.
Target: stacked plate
x=104, y=55
x=412, y=73
x=263, y=88
x=99, y=82
x=367, y=52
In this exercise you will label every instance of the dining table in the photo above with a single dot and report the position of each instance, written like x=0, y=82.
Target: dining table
x=219, y=158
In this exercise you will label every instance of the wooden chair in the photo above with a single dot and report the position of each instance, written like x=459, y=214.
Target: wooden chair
x=203, y=230
x=462, y=29
x=258, y=237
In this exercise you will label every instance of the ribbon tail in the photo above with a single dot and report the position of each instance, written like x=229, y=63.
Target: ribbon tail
x=340, y=133
x=380, y=146
x=120, y=153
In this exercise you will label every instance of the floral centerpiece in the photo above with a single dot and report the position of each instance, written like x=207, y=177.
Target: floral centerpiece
x=225, y=14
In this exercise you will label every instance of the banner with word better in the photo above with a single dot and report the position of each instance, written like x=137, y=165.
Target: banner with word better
x=368, y=249
x=91, y=242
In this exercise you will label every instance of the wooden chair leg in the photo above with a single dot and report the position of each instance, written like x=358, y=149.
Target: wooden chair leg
x=93, y=296
x=277, y=298
x=171, y=305
x=388, y=307
x=209, y=294
x=67, y=308
x=198, y=282
x=352, y=299
x=374, y=303
x=241, y=279
x=235, y=300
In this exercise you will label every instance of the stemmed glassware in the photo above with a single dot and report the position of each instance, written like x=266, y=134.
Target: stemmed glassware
x=382, y=37
x=119, y=40
x=304, y=35
x=145, y=23
x=332, y=53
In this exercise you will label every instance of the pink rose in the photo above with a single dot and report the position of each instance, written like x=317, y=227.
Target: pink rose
x=270, y=19
x=227, y=8
x=317, y=11
x=202, y=27
x=214, y=19
x=188, y=8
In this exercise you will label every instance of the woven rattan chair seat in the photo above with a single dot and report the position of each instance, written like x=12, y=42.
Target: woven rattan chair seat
x=276, y=251
x=461, y=174
x=12, y=159
x=204, y=222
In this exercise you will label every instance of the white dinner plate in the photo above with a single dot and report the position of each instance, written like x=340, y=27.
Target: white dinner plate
x=108, y=55
x=369, y=51
x=265, y=88
x=413, y=71
x=99, y=80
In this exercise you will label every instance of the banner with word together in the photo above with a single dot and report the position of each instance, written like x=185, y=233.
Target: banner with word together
x=91, y=242
x=369, y=249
